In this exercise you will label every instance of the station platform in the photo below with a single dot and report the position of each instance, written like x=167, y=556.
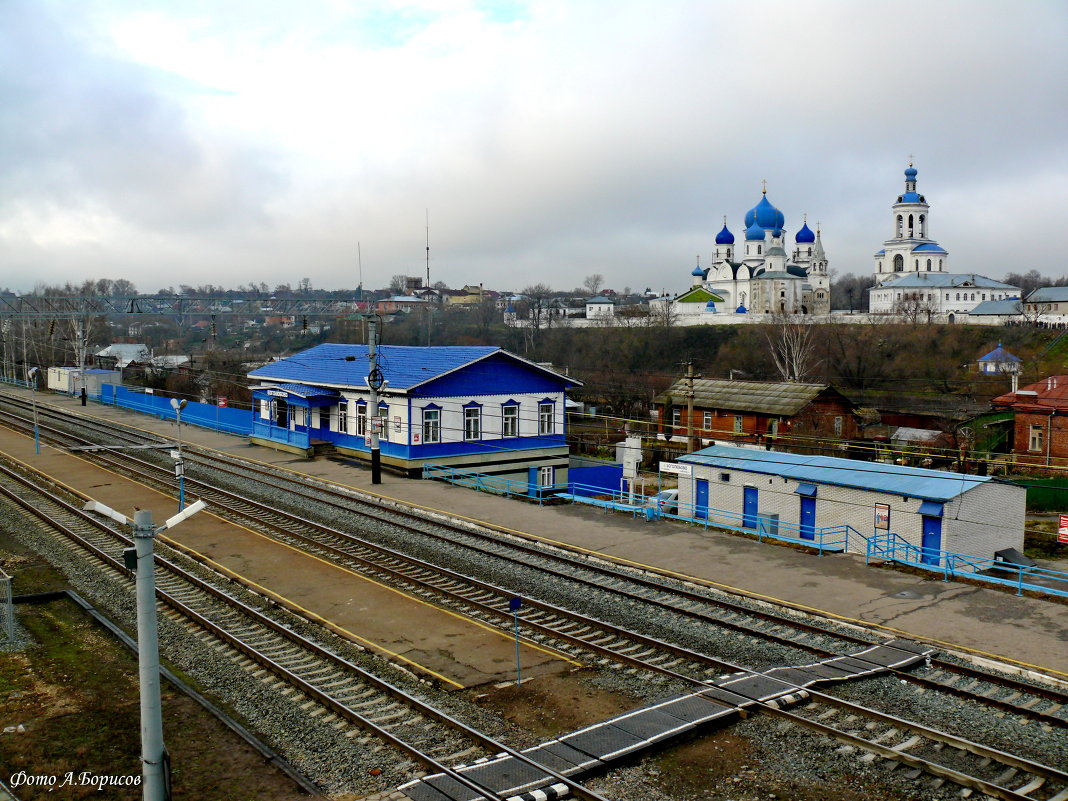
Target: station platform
x=1031, y=633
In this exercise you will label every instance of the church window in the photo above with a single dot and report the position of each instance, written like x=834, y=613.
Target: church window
x=939, y=264
x=899, y=263
x=910, y=226
x=973, y=296
x=983, y=297
x=899, y=223
x=923, y=230
x=928, y=265
x=947, y=296
x=760, y=249
x=880, y=266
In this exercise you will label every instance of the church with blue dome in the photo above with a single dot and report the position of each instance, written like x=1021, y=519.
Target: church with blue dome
x=763, y=273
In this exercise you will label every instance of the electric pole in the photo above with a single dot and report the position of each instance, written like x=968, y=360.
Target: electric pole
x=690, y=376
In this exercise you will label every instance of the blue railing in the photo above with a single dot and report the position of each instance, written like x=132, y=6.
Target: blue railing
x=892, y=547
x=265, y=430
x=203, y=415
x=497, y=485
x=827, y=538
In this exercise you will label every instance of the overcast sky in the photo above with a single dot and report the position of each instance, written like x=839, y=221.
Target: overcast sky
x=261, y=140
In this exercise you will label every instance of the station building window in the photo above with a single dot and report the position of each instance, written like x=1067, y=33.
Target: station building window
x=510, y=420
x=472, y=423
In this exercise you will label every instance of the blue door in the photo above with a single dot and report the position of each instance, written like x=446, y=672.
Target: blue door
x=700, y=507
x=931, y=550
x=749, y=508
x=808, y=518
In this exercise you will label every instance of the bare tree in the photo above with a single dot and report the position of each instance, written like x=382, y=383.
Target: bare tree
x=916, y=307
x=397, y=284
x=593, y=283
x=793, y=347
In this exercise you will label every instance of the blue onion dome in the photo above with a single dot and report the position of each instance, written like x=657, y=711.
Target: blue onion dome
x=754, y=232
x=698, y=271
x=805, y=235
x=765, y=215
x=741, y=310
x=910, y=173
x=724, y=237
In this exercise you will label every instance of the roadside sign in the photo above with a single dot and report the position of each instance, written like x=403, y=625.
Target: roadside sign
x=222, y=402
x=514, y=604
x=685, y=470
x=1062, y=529
x=175, y=455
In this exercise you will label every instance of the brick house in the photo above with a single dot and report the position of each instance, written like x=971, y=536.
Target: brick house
x=1040, y=422
x=753, y=411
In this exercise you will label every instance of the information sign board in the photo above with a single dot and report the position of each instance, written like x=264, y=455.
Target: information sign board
x=1062, y=529
x=685, y=470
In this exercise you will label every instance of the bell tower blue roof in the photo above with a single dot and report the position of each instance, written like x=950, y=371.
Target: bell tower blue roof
x=724, y=237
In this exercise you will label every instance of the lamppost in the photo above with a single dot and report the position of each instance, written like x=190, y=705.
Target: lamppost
x=32, y=376
x=179, y=465
x=154, y=770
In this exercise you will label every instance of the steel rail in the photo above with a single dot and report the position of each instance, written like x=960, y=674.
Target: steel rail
x=274, y=667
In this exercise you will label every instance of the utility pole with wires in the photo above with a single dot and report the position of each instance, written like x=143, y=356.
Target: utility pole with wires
x=690, y=376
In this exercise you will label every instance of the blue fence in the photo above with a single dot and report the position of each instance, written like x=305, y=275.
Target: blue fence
x=892, y=547
x=598, y=479
x=204, y=415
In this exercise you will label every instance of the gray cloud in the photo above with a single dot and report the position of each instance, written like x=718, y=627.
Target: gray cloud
x=563, y=142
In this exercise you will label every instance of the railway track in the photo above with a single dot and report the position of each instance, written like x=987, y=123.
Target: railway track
x=358, y=703
x=609, y=643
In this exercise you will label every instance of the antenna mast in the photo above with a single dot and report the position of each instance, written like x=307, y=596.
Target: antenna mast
x=429, y=314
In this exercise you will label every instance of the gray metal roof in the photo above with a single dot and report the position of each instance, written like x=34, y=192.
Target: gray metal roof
x=912, y=482
x=1048, y=294
x=998, y=308
x=942, y=280
x=766, y=397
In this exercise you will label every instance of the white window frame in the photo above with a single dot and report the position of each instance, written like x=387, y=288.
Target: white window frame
x=707, y=421
x=510, y=420
x=739, y=424
x=546, y=476
x=343, y=417
x=431, y=426
x=838, y=426
x=472, y=423
x=1034, y=441
x=361, y=419
x=546, y=419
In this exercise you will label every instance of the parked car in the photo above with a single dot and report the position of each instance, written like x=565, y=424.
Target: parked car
x=666, y=502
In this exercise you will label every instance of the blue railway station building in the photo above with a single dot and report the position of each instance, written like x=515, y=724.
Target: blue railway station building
x=471, y=408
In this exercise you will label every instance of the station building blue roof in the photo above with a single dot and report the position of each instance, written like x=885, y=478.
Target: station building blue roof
x=403, y=367
x=913, y=482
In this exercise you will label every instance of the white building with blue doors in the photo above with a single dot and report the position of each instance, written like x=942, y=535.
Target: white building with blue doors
x=474, y=408
x=804, y=494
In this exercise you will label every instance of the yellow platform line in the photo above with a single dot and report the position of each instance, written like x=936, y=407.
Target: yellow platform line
x=401, y=593
x=665, y=571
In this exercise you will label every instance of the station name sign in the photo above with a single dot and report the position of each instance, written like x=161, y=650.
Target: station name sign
x=678, y=469
x=277, y=393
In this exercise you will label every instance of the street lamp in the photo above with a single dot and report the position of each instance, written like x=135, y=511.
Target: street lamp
x=179, y=465
x=32, y=376
x=154, y=772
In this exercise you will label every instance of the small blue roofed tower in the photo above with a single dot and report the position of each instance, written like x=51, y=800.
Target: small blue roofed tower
x=724, y=244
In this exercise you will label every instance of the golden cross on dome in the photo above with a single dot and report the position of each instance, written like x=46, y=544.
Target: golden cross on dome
x=910, y=159
x=765, y=183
